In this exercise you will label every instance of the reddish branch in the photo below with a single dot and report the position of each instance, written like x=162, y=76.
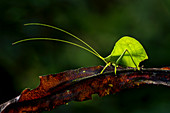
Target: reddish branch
x=80, y=84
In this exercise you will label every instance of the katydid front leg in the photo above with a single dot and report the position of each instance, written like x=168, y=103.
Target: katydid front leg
x=107, y=64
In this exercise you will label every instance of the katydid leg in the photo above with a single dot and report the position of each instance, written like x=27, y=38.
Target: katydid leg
x=107, y=64
x=121, y=56
x=133, y=60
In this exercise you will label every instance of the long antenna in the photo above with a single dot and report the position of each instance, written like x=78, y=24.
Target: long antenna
x=59, y=40
x=50, y=26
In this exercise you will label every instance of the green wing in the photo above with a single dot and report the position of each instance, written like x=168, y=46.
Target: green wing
x=134, y=47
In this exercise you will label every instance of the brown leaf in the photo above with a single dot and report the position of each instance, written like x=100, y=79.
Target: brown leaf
x=80, y=84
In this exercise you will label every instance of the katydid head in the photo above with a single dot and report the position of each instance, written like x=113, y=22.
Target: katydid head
x=111, y=59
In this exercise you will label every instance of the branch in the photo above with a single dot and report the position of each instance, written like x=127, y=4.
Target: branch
x=80, y=84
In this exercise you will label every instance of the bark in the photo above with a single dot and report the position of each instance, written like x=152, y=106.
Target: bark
x=80, y=84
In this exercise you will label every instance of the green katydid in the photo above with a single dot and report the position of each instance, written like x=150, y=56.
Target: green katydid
x=127, y=52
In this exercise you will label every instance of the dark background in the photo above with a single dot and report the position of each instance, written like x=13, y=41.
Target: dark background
x=98, y=22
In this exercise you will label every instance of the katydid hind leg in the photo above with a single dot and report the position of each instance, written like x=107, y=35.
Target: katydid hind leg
x=133, y=60
x=121, y=56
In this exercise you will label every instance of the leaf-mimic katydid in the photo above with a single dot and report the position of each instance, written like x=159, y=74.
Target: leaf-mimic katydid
x=127, y=52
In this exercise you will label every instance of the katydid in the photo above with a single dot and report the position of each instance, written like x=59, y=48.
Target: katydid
x=127, y=52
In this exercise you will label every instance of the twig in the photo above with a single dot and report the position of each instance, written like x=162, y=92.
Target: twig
x=80, y=84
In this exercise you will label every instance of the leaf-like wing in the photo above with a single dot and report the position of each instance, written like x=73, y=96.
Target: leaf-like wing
x=134, y=47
